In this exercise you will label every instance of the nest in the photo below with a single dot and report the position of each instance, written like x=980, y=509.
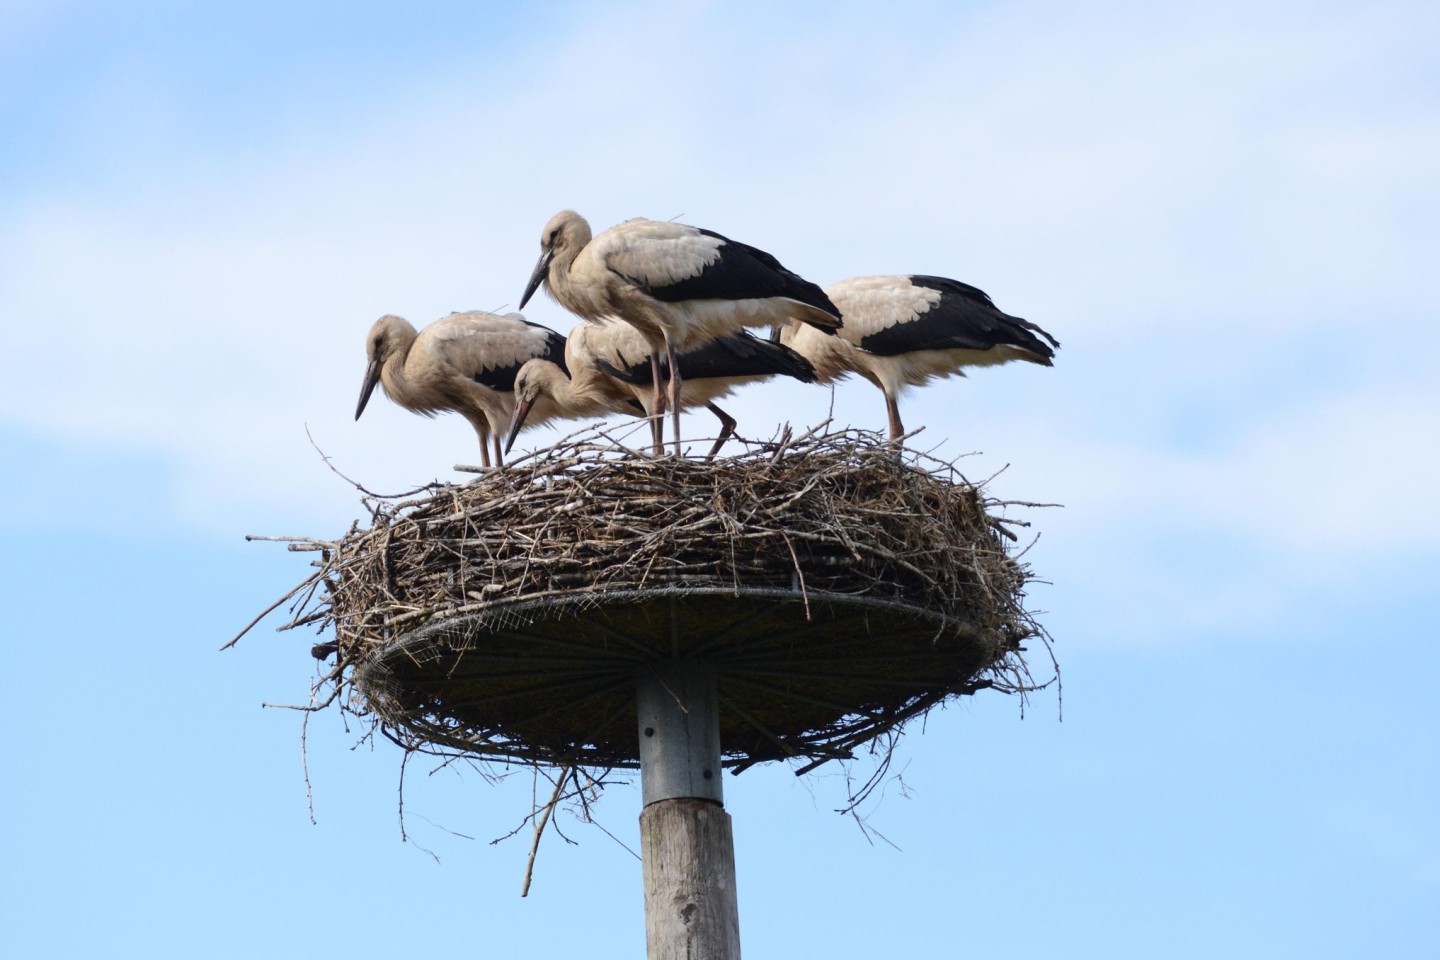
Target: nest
x=836, y=589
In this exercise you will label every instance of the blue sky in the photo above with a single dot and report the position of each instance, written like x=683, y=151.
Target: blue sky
x=1225, y=212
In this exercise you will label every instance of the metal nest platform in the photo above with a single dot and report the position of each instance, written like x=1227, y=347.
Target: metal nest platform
x=799, y=674
x=834, y=586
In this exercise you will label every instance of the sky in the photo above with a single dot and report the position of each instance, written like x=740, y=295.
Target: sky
x=1226, y=212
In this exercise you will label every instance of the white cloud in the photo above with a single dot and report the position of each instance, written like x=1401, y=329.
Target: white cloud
x=1354, y=474
x=1160, y=191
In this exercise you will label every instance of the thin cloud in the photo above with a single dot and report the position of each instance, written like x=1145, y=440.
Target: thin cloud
x=1165, y=199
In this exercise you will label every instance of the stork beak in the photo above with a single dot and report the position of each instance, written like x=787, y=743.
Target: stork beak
x=372, y=377
x=517, y=420
x=542, y=268
x=775, y=334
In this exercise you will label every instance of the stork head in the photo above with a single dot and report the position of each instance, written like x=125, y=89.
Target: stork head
x=389, y=336
x=562, y=239
x=531, y=383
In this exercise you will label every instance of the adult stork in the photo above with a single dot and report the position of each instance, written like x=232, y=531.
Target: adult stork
x=465, y=362
x=901, y=331
x=609, y=371
x=678, y=285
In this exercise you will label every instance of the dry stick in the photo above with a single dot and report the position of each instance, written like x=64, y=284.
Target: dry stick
x=369, y=493
x=269, y=610
x=400, y=810
x=291, y=540
x=305, y=766
x=804, y=594
x=540, y=828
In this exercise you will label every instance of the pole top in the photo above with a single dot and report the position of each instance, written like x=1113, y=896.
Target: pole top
x=678, y=719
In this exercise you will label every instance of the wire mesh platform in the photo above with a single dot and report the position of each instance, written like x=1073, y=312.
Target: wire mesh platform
x=800, y=674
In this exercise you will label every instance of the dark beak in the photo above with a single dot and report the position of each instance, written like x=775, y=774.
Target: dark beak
x=372, y=377
x=517, y=420
x=542, y=269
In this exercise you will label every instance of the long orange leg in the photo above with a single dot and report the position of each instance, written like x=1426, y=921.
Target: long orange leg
x=897, y=429
x=657, y=405
x=674, y=390
x=727, y=429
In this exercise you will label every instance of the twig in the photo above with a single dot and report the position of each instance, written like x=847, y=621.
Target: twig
x=269, y=610
x=540, y=829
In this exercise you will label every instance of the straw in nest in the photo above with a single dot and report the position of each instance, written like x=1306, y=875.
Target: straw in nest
x=836, y=589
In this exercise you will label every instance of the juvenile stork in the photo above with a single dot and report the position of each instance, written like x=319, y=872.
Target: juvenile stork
x=901, y=331
x=465, y=362
x=610, y=372
x=678, y=285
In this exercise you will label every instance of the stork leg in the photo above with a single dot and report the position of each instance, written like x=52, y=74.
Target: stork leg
x=897, y=429
x=657, y=405
x=499, y=460
x=484, y=451
x=674, y=390
x=727, y=429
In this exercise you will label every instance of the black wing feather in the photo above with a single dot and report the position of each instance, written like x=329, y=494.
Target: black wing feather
x=964, y=319
x=737, y=355
x=502, y=379
x=741, y=272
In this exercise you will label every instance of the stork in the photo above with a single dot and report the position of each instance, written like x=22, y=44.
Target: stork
x=465, y=362
x=573, y=385
x=610, y=371
x=678, y=285
x=901, y=331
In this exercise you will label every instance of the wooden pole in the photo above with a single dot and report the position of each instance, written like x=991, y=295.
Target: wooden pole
x=687, y=849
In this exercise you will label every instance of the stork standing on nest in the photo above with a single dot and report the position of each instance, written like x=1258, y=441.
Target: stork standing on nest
x=678, y=285
x=901, y=331
x=465, y=362
x=609, y=371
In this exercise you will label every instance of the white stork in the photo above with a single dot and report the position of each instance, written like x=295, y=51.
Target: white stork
x=465, y=362
x=678, y=285
x=901, y=331
x=609, y=371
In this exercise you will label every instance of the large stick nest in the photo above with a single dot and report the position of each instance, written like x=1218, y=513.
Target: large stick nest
x=837, y=589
